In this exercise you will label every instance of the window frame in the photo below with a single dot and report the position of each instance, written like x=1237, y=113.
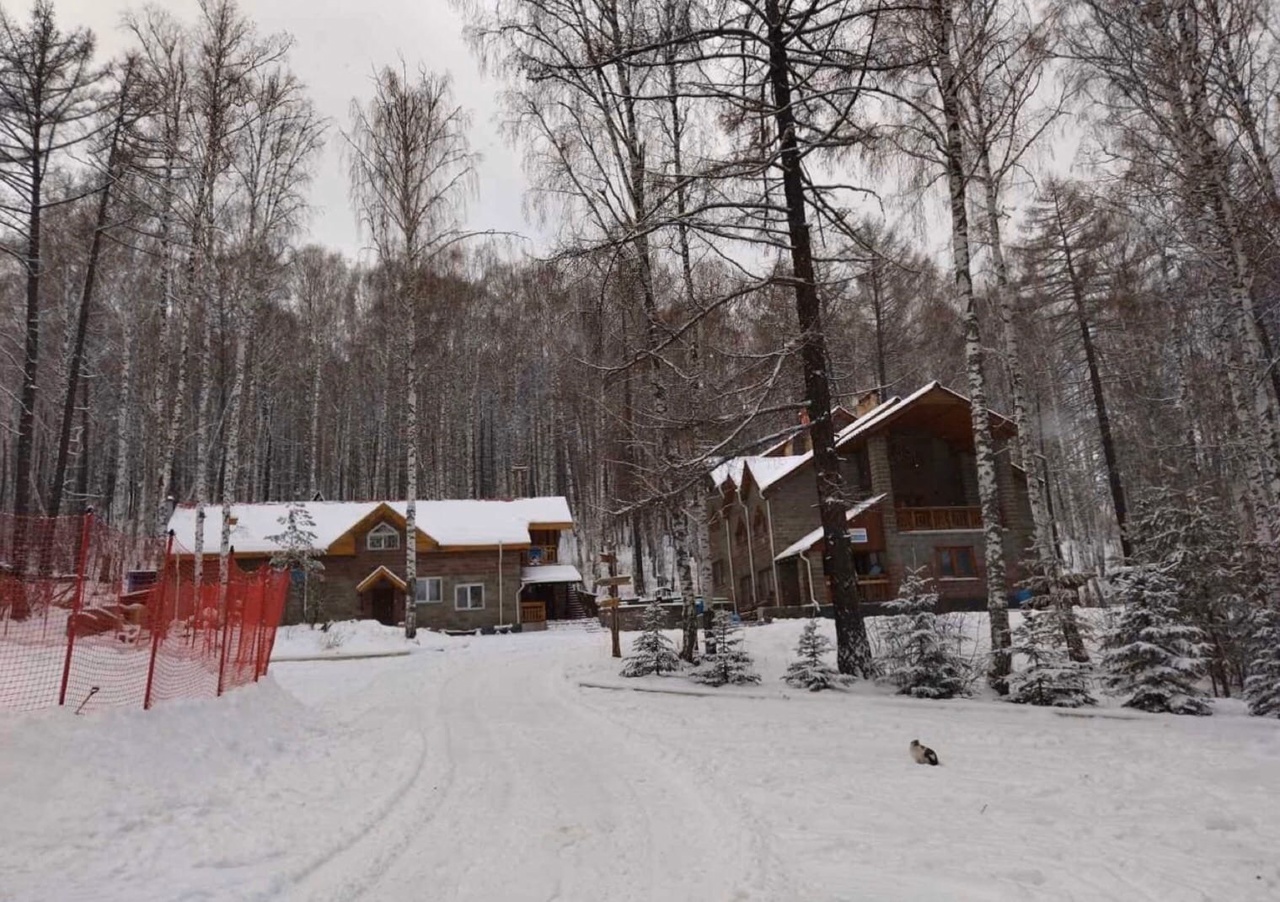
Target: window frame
x=468, y=587
x=953, y=555
x=383, y=531
x=438, y=580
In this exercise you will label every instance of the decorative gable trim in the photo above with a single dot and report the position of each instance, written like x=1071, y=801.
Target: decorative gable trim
x=379, y=574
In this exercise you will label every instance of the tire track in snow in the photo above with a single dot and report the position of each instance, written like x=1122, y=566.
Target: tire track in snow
x=347, y=868
x=549, y=800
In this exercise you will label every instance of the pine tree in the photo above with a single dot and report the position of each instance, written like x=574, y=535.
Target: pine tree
x=1050, y=677
x=729, y=663
x=1262, y=685
x=809, y=670
x=1151, y=657
x=919, y=660
x=297, y=552
x=652, y=652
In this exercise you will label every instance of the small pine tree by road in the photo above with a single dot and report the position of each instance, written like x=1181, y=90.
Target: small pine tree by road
x=729, y=662
x=297, y=552
x=1151, y=658
x=809, y=670
x=652, y=652
x=1050, y=678
x=1262, y=685
x=919, y=660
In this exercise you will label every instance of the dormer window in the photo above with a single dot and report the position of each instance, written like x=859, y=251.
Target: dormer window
x=383, y=537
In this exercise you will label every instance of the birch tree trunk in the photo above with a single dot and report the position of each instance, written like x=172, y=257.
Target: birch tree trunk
x=411, y=465
x=984, y=451
x=1045, y=549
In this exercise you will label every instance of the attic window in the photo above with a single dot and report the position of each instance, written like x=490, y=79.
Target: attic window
x=383, y=537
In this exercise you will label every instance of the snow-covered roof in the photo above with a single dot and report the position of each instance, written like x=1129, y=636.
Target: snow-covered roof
x=815, y=537
x=768, y=470
x=451, y=523
x=550, y=573
x=728, y=471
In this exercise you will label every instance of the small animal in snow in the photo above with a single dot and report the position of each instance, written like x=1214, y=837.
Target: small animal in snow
x=922, y=753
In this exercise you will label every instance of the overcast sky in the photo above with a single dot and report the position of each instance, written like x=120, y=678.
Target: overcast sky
x=337, y=45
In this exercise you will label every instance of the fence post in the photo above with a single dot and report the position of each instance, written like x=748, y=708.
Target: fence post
x=259, y=628
x=157, y=616
x=77, y=602
x=224, y=611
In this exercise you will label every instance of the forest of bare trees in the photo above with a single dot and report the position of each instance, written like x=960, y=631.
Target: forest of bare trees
x=757, y=209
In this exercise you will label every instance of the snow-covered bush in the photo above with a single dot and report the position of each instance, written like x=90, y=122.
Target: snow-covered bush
x=918, y=659
x=1192, y=536
x=1262, y=685
x=809, y=670
x=1150, y=657
x=729, y=662
x=1050, y=677
x=651, y=652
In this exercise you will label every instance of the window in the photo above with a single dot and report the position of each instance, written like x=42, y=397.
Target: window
x=383, y=537
x=759, y=527
x=430, y=590
x=869, y=563
x=956, y=563
x=717, y=574
x=740, y=534
x=468, y=597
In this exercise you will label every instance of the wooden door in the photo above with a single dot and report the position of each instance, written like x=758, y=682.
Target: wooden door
x=382, y=599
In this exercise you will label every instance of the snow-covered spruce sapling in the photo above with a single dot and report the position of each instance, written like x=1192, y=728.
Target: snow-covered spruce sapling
x=729, y=663
x=1262, y=685
x=652, y=652
x=1151, y=658
x=809, y=670
x=918, y=658
x=1050, y=677
x=297, y=551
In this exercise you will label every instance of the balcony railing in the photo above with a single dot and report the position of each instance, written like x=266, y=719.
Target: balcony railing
x=875, y=590
x=922, y=519
x=544, y=554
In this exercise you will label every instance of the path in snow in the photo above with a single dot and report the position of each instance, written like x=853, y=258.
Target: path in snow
x=518, y=792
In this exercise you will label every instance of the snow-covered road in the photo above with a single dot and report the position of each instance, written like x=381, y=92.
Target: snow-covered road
x=480, y=769
x=513, y=790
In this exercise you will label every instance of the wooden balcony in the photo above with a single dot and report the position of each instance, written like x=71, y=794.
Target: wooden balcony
x=546, y=554
x=875, y=590
x=930, y=519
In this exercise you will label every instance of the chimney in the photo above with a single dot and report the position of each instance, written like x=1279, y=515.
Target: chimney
x=520, y=481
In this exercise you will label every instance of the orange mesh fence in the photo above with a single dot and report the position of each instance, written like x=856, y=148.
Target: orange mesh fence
x=91, y=617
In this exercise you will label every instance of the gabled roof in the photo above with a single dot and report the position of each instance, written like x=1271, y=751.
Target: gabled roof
x=813, y=538
x=875, y=418
x=449, y=524
x=768, y=470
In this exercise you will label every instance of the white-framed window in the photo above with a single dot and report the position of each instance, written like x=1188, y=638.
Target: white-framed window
x=430, y=590
x=468, y=597
x=383, y=537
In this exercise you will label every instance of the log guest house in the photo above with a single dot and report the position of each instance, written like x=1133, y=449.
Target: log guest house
x=912, y=479
x=480, y=563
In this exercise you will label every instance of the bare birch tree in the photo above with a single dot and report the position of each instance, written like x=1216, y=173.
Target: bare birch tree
x=410, y=169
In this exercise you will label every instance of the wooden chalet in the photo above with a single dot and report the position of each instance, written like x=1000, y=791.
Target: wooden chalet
x=912, y=484
x=480, y=564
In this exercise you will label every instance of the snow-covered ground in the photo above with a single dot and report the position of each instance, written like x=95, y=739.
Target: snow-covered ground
x=350, y=638
x=483, y=769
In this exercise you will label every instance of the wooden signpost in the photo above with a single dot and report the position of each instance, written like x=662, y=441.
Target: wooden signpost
x=613, y=580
